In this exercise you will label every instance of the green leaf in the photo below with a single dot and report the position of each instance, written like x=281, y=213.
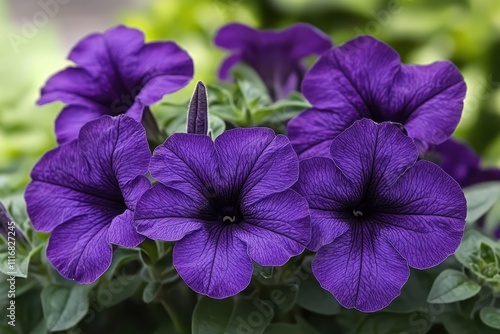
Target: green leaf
x=253, y=90
x=281, y=110
x=120, y=288
x=470, y=245
x=250, y=316
x=452, y=286
x=456, y=324
x=230, y=316
x=212, y=315
x=286, y=328
x=151, y=291
x=314, y=298
x=216, y=125
x=282, y=296
x=22, y=260
x=389, y=323
x=490, y=316
x=64, y=307
x=480, y=199
x=413, y=296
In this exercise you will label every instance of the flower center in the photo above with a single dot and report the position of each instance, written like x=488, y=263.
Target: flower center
x=230, y=214
x=357, y=213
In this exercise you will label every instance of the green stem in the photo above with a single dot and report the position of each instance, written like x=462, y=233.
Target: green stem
x=174, y=316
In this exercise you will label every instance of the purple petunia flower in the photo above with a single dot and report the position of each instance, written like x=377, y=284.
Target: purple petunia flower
x=275, y=55
x=116, y=73
x=462, y=163
x=84, y=193
x=375, y=211
x=364, y=78
x=226, y=203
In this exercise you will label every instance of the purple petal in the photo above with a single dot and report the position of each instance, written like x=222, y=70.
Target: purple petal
x=353, y=77
x=66, y=86
x=328, y=193
x=428, y=100
x=78, y=250
x=361, y=270
x=121, y=144
x=274, y=55
x=373, y=155
x=213, y=262
x=78, y=179
x=162, y=68
x=275, y=228
x=55, y=194
x=115, y=46
x=186, y=162
x=168, y=214
x=312, y=131
x=121, y=232
x=302, y=39
x=364, y=78
x=424, y=210
x=227, y=64
x=255, y=163
x=72, y=118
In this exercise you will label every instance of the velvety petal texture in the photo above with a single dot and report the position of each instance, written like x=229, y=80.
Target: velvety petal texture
x=115, y=73
x=275, y=55
x=226, y=203
x=84, y=193
x=364, y=78
x=375, y=211
x=462, y=163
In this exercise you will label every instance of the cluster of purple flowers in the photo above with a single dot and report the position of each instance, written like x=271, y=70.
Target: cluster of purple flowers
x=346, y=183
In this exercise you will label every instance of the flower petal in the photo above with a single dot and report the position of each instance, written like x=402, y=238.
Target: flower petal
x=123, y=152
x=361, y=270
x=72, y=118
x=78, y=179
x=213, y=262
x=121, y=232
x=254, y=163
x=79, y=250
x=59, y=190
x=162, y=68
x=168, y=214
x=66, y=86
x=372, y=155
x=328, y=193
x=186, y=162
x=429, y=100
x=425, y=209
x=275, y=228
x=109, y=53
x=313, y=130
x=352, y=78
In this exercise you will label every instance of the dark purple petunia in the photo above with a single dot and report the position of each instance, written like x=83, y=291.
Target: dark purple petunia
x=364, y=78
x=116, y=73
x=275, y=55
x=84, y=193
x=375, y=210
x=226, y=203
x=462, y=163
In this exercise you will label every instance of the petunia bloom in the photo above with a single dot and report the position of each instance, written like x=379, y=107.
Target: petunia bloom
x=462, y=163
x=364, y=78
x=116, y=73
x=84, y=193
x=275, y=55
x=375, y=210
x=226, y=203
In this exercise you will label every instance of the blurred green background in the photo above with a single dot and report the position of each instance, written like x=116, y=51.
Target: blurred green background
x=35, y=45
